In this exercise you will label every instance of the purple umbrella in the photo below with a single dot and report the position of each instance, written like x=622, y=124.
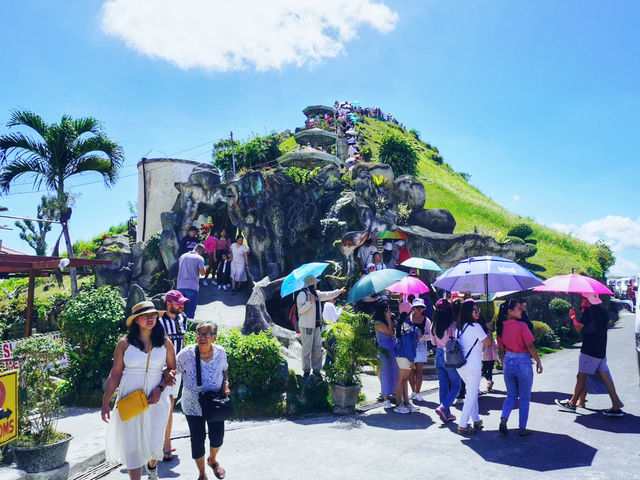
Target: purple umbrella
x=486, y=275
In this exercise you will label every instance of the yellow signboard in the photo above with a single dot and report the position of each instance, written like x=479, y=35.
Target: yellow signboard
x=8, y=406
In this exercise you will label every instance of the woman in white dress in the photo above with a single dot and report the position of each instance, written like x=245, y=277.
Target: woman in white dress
x=139, y=440
x=239, y=263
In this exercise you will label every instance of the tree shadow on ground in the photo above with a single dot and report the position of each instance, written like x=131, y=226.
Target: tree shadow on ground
x=542, y=451
x=534, y=267
x=597, y=421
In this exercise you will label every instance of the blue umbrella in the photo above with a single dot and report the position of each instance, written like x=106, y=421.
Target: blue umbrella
x=374, y=282
x=421, y=264
x=295, y=280
x=486, y=275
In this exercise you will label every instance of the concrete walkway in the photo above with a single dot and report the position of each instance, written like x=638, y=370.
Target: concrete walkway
x=384, y=445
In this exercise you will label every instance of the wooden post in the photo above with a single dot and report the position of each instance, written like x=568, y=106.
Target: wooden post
x=32, y=286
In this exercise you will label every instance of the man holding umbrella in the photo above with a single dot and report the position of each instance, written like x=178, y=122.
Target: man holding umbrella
x=310, y=322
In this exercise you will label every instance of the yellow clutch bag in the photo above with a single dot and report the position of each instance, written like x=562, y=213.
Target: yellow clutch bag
x=136, y=402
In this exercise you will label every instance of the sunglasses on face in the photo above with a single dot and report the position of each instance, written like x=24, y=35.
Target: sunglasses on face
x=476, y=310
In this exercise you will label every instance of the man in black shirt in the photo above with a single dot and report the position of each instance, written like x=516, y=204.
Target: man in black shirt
x=593, y=354
x=189, y=241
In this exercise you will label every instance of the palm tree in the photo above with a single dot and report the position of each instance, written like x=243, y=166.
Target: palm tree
x=60, y=151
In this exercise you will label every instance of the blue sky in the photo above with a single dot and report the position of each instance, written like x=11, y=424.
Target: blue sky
x=538, y=101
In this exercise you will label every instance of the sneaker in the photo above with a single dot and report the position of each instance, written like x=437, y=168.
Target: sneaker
x=401, y=409
x=412, y=396
x=412, y=408
x=565, y=405
x=387, y=404
x=418, y=396
x=214, y=283
x=228, y=285
x=450, y=417
x=205, y=283
x=220, y=287
x=442, y=413
x=225, y=288
x=613, y=413
x=153, y=472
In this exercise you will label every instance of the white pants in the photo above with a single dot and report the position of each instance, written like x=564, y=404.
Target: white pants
x=311, y=349
x=471, y=376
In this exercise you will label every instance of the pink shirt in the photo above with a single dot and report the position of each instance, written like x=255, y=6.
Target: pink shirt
x=442, y=342
x=210, y=244
x=515, y=337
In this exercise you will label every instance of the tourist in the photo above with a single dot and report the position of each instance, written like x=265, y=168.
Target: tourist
x=388, y=367
x=469, y=334
x=489, y=353
x=371, y=267
x=239, y=263
x=407, y=343
x=210, y=249
x=457, y=299
x=516, y=344
x=525, y=316
x=138, y=363
x=423, y=324
x=189, y=241
x=377, y=261
x=403, y=253
x=222, y=244
x=389, y=255
x=215, y=378
x=310, y=323
x=190, y=267
x=331, y=313
x=223, y=274
x=405, y=305
x=443, y=328
x=174, y=323
x=365, y=252
x=593, y=354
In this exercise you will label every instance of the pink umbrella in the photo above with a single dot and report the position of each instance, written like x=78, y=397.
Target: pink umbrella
x=573, y=283
x=409, y=285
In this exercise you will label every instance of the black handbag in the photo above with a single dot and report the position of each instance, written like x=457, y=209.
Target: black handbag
x=216, y=406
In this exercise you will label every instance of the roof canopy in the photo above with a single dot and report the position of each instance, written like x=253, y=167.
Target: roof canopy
x=308, y=158
x=315, y=136
x=318, y=110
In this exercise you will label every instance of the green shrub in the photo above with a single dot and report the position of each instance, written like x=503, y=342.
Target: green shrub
x=92, y=323
x=568, y=336
x=403, y=211
x=559, y=307
x=38, y=398
x=543, y=334
x=533, y=249
x=301, y=175
x=397, y=152
x=521, y=230
x=303, y=397
x=354, y=348
x=366, y=154
x=257, y=368
x=510, y=239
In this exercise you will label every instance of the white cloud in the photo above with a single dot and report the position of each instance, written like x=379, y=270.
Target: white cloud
x=624, y=268
x=516, y=198
x=620, y=233
x=234, y=35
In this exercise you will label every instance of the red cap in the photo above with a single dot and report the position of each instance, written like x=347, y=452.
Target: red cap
x=175, y=296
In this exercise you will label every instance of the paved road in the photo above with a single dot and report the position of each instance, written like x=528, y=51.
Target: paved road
x=384, y=445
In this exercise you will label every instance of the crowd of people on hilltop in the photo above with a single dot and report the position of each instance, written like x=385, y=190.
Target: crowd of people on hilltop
x=346, y=108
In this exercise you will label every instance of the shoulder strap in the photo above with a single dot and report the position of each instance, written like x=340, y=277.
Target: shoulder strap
x=198, y=372
x=462, y=331
x=148, y=356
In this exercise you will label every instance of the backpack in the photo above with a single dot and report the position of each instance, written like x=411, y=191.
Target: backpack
x=293, y=313
x=453, y=357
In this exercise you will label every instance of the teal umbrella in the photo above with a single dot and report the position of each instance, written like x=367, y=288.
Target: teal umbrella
x=421, y=264
x=374, y=282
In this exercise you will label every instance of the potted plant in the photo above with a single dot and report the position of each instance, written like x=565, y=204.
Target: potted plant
x=39, y=446
x=353, y=346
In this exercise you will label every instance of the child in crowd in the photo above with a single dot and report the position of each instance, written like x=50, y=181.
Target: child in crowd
x=224, y=271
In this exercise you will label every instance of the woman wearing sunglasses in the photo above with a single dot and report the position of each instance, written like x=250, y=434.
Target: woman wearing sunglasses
x=471, y=337
x=516, y=347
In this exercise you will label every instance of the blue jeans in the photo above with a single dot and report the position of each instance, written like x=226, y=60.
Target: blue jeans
x=449, y=381
x=518, y=376
x=190, y=307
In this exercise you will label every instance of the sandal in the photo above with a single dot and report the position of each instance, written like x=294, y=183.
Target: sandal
x=168, y=456
x=464, y=431
x=203, y=477
x=218, y=471
x=613, y=413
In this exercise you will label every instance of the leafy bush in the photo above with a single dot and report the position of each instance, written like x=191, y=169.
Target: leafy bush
x=354, y=348
x=521, y=230
x=38, y=398
x=397, y=152
x=366, y=154
x=510, y=239
x=568, y=336
x=533, y=249
x=255, y=152
x=92, y=323
x=559, y=307
x=543, y=334
x=307, y=396
x=301, y=175
x=257, y=369
x=403, y=212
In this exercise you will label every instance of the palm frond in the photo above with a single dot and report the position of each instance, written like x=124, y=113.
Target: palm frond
x=28, y=119
x=99, y=144
x=22, y=146
x=21, y=166
x=87, y=125
x=95, y=163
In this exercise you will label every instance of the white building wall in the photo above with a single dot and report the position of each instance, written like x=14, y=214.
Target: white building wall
x=157, y=176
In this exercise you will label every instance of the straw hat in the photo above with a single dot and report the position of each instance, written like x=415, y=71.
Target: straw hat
x=140, y=309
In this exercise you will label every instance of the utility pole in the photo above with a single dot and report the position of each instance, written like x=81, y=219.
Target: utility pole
x=233, y=155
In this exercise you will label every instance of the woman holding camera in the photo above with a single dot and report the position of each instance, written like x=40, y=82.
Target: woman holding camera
x=214, y=378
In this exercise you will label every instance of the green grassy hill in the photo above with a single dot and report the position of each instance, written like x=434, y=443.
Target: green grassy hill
x=557, y=253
